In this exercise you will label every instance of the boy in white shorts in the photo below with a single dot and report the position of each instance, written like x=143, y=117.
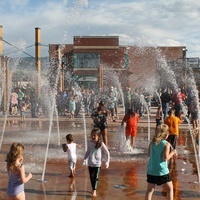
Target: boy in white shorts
x=70, y=148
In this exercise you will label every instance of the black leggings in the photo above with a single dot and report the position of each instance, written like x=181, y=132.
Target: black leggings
x=94, y=176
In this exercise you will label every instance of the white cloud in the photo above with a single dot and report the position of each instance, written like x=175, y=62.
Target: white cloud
x=170, y=42
x=155, y=22
x=82, y=2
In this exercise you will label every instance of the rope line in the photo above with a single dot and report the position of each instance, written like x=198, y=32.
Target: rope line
x=18, y=49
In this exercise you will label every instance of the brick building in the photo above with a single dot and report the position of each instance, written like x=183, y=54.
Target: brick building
x=100, y=61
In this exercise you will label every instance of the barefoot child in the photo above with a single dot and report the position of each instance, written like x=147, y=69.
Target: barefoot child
x=70, y=148
x=95, y=149
x=159, y=153
x=72, y=107
x=22, y=111
x=131, y=119
x=16, y=172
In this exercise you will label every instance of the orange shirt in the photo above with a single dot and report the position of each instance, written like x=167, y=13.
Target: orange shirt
x=131, y=124
x=133, y=121
x=173, y=122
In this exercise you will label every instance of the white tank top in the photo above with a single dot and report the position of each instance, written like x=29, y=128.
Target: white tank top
x=71, y=151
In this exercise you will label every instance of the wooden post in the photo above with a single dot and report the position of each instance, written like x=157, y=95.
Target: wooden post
x=100, y=78
x=61, y=78
x=8, y=80
x=38, y=57
x=6, y=94
x=1, y=58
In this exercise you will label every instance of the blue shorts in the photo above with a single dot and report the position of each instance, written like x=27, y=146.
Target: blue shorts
x=22, y=113
x=159, y=180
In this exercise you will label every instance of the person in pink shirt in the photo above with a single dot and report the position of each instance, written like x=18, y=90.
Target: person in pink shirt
x=13, y=103
x=178, y=100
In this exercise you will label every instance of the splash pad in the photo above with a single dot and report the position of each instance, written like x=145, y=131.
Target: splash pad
x=126, y=177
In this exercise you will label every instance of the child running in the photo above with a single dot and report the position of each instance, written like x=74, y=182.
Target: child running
x=70, y=148
x=131, y=119
x=95, y=148
x=157, y=170
x=16, y=172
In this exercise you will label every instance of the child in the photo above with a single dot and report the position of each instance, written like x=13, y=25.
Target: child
x=193, y=108
x=111, y=106
x=99, y=116
x=173, y=123
x=16, y=172
x=158, y=116
x=157, y=170
x=22, y=111
x=94, y=151
x=131, y=119
x=72, y=107
x=70, y=148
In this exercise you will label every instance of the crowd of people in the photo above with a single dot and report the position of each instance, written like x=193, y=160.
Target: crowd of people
x=75, y=99
x=18, y=103
x=185, y=104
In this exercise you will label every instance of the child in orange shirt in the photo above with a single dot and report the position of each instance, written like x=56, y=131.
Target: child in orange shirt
x=131, y=119
x=172, y=121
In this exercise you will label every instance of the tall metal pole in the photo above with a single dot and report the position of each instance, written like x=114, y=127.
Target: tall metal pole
x=38, y=57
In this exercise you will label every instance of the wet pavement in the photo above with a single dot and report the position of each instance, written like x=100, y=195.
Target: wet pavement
x=124, y=179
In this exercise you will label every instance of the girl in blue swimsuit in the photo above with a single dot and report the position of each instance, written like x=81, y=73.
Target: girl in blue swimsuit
x=16, y=172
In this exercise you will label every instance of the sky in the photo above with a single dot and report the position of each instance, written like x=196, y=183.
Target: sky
x=136, y=22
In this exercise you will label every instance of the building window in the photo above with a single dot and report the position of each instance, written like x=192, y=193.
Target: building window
x=86, y=60
x=126, y=61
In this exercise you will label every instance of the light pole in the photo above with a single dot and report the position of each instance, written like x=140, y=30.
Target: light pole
x=184, y=50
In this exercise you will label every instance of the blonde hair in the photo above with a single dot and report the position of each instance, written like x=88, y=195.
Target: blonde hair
x=16, y=151
x=161, y=133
